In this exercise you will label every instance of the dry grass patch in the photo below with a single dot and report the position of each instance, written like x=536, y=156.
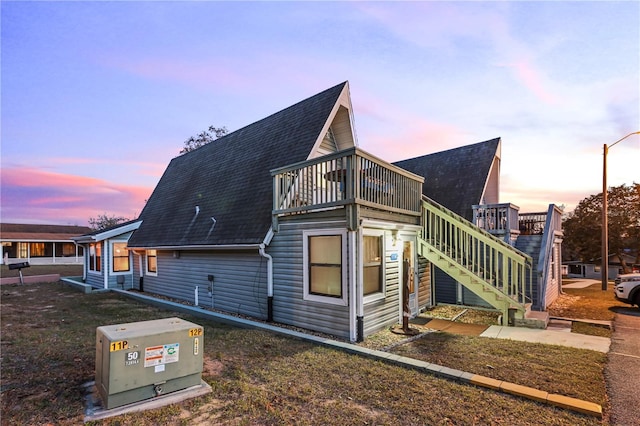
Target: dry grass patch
x=577, y=373
x=586, y=303
x=257, y=378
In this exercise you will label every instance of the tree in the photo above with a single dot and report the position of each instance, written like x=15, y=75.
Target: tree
x=583, y=226
x=103, y=221
x=203, y=138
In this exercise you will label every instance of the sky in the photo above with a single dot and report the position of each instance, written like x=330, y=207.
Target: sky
x=98, y=97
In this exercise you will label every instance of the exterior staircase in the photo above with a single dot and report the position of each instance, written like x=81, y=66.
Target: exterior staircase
x=492, y=269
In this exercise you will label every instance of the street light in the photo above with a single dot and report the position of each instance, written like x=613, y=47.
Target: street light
x=604, y=267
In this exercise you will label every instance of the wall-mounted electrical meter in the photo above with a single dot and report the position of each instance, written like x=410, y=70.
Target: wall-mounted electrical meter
x=142, y=360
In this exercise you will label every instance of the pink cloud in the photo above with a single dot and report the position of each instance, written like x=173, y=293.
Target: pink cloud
x=533, y=81
x=35, y=195
x=201, y=73
x=397, y=133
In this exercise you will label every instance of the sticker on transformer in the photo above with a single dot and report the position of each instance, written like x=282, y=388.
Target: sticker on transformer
x=161, y=354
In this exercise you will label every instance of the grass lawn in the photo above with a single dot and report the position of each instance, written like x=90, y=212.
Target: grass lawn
x=258, y=378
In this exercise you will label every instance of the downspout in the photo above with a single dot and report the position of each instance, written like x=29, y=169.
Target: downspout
x=140, y=269
x=356, y=278
x=266, y=242
x=269, y=282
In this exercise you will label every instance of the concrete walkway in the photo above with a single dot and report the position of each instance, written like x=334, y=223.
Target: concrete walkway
x=623, y=366
x=580, y=283
x=550, y=337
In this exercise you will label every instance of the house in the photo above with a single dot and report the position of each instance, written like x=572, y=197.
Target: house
x=108, y=263
x=40, y=244
x=591, y=269
x=288, y=220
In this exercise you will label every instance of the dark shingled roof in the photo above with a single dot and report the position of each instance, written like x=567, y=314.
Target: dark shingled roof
x=455, y=178
x=230, y=180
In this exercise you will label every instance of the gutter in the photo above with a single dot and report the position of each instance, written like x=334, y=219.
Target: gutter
x=202, y=247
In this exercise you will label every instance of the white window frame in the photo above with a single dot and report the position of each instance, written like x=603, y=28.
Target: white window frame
x=112, y=254
x=91, y=268
x=146, y=264
x=372, y=297
x=341, y=301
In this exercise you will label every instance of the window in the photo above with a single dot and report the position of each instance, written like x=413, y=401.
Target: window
x=372, y=264
x=95, y=257
x=23, y=250
x=324, y=273
x=325, y=265
x=120, y=257
x=37, y=250
x=152, y=262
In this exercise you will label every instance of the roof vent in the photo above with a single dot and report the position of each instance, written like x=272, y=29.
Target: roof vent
x=213, y=219
x=197, y=210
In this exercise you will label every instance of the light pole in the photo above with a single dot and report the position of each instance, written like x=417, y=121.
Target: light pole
x=604, y=267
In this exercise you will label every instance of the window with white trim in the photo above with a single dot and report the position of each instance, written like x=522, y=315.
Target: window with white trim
x=325, y=274
x=120, y=258
x=152, y=262
x=95, y=257
x=372, y=264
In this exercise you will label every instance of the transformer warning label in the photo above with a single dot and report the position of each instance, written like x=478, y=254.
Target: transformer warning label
x=161, y=354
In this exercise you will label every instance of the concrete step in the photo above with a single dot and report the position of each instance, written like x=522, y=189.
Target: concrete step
x=533, y=319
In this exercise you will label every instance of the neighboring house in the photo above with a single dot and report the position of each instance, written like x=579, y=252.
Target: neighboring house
x=287, y=220
x=40, y=244
x=577, y=269
x=108, y=263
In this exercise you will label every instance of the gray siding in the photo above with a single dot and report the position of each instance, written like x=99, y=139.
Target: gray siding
x=95, y=280
x=424, y=283
x=531, y=244
x=240, y=280
x=289, y=307
x=445, y=287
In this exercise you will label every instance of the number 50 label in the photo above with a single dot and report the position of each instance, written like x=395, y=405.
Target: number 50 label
x=132, y=358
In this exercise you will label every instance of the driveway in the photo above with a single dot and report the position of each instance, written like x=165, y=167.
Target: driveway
x=623, y=367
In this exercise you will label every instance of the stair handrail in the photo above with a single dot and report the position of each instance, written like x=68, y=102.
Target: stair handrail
x=551, y=227
x=507, y=267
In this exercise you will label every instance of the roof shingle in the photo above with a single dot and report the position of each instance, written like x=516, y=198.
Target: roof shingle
x=229, y=180
x=455, y=178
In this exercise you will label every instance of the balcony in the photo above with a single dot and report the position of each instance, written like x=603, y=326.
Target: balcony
x=504, y=221
x=501, y=220
x=345, y=178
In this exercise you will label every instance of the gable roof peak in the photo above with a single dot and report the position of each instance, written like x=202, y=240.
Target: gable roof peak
x=230, y=179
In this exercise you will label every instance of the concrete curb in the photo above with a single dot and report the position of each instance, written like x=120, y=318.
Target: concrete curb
x=573, y=404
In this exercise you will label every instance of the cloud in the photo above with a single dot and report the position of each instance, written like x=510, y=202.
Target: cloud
x=395, y=132
x=533, y=80
x=39, y=196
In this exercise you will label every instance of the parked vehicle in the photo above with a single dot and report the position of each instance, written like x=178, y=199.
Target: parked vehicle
x=627, y=289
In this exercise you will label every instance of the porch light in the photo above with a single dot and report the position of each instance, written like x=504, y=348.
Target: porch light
x=604, y=267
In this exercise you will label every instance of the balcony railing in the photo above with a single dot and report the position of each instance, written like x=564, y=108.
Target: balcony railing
x=532, y=223
x=496, y=218
x=351, y=176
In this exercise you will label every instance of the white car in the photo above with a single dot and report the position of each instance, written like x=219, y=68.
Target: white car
x=627, y=289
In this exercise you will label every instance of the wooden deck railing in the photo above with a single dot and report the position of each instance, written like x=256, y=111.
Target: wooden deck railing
x=496, y=218
x=532, y=223
x=351, y=176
